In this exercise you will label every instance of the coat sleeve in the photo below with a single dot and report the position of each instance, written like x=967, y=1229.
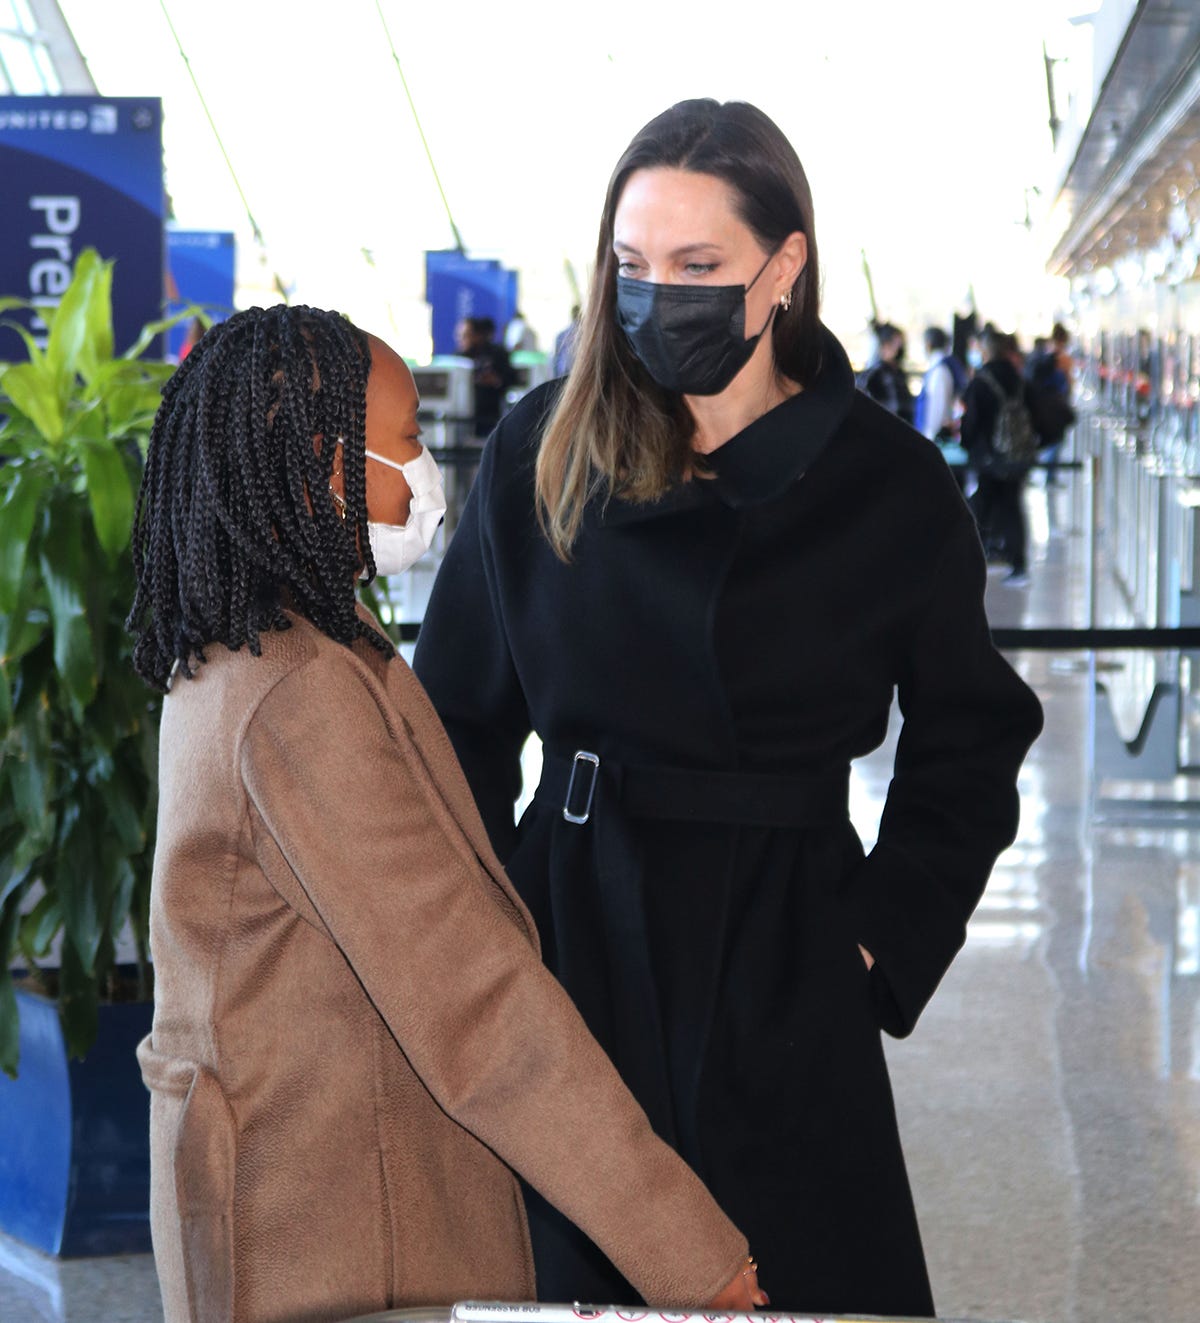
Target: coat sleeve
x=953, y=803
x=464, y=662
x=343, y=802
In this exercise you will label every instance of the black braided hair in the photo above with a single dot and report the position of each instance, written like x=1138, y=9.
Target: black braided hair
x=234, y=519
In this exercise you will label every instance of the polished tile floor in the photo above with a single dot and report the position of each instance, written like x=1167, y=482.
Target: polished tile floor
x=1050, y=1098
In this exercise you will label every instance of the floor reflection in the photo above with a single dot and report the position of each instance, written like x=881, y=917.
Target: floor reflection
x=1050, y=1099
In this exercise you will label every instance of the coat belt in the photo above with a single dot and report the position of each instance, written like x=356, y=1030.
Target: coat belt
x=686, y=794
x=603, y=798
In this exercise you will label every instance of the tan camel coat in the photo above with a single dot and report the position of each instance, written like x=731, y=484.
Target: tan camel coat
x=353, y=1032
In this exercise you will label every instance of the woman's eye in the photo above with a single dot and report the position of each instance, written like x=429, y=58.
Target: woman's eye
x=700, y=268
x=628, y=268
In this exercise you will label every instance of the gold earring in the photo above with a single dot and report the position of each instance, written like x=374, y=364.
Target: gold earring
x=340, y=502
x=785, y=299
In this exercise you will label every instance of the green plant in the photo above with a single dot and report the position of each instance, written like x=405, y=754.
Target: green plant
x=78, y=729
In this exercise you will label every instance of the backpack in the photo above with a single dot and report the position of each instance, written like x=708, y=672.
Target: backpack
x=958, y=370
x=1014, y=440
x=1051, y=408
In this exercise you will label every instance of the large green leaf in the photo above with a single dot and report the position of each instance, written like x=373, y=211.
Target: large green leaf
x=123, y=803
x=109, y=494
x=32, y=348
x=66, y=573
x=126, y=394
x=33, y=389
x=20, y=634
x=131, y=408
x=39, y=927
x=152, y=330
x=124, y=885
x=126, y=701
x=17, y=516
x=19, y=438
x=12, y=443
x=86, y=422
x=78, y=998
x=79, y=880
x=69, y=327
x=29, y=775
x=15, y=875
x=97, y=347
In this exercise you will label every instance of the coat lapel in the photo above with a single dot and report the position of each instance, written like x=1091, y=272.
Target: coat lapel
x=765, y=458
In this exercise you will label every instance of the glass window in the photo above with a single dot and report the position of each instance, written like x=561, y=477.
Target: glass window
x=20, y=68
x=50, y=78
x=27, y=65
x=22, y=16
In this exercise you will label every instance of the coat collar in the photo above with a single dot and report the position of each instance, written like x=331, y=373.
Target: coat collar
x=765, y=458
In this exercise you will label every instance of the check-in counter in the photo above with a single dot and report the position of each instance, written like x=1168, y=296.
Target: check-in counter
x=532, y=369
x=447, y=390
x=1147, y=501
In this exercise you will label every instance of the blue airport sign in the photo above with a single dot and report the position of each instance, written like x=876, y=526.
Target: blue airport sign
x=79, y=172
x=201, y=266
x=457, y=286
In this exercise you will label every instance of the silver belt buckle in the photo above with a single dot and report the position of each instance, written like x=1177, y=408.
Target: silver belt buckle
x=593, y=769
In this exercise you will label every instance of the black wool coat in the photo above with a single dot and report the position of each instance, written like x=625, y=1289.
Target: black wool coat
x=723, y=654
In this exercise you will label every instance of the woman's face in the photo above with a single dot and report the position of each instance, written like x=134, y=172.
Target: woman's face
x=677, y=227
x=392, y=431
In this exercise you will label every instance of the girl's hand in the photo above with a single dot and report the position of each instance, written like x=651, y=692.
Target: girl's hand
x=742, y=1295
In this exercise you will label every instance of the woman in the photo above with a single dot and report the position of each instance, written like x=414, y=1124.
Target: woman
x=699, y=569
x=352, y=1033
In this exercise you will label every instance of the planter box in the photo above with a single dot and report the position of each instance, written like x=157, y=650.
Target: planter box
x=75, y=1136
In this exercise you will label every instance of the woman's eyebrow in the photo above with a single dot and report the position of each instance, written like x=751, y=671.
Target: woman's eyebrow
x=684, y=251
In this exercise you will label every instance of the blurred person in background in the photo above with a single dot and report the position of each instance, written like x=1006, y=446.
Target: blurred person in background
x=519, y=336
x=493, y=369
x=884, y=378
x=1050, y=372
x=564, y=344
x=937, y=404
x=999, y=435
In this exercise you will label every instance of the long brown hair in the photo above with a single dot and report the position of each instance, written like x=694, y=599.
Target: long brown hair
x=614, y=430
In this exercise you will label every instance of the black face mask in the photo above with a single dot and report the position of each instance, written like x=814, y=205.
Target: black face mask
x=690, y=338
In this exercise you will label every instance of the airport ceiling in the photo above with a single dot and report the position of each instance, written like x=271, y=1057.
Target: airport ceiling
x=1134, y=185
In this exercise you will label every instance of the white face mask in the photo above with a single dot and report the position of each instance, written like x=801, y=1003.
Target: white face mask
x=397, y=547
